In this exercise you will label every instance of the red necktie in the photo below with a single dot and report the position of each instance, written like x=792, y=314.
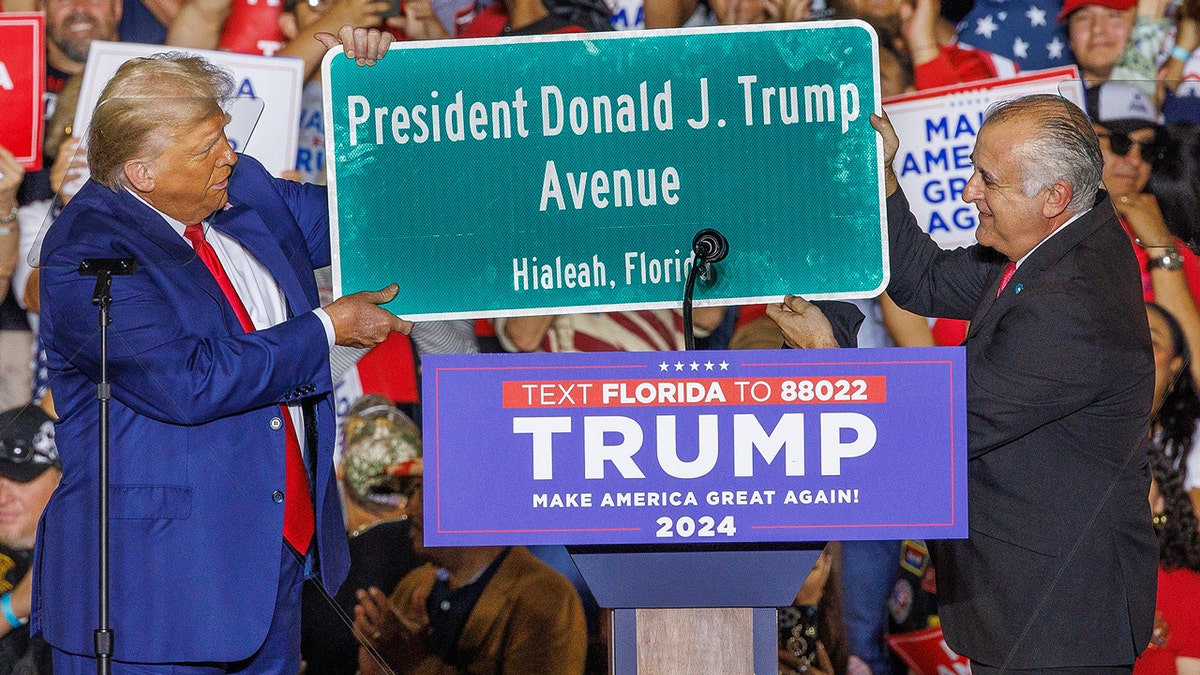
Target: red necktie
x=1009, y=270
x=298, y=521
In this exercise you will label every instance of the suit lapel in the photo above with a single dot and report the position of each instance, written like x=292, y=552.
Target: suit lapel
x=1044, y=258
x=246, y=226
x=177, y=252
x=989, y=299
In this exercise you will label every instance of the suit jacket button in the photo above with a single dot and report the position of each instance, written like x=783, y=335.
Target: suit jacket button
x=277, y=496
x=276, y=423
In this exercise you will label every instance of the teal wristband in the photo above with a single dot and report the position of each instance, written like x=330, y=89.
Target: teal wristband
x=1180, y=53
x=9, y=614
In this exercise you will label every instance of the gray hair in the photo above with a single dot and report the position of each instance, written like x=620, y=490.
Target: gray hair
x=1063, y=146
x=147, y=103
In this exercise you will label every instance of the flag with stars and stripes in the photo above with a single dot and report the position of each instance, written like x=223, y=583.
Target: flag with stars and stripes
x=1025, y=32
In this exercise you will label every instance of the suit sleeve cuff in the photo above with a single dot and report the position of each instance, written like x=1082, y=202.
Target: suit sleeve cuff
x=330, y=335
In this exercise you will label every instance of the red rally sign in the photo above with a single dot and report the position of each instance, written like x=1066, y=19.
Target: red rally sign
x=22, y=85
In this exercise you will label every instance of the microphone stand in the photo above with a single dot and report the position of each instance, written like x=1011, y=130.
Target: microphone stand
x=104, y=269
x=709, y=246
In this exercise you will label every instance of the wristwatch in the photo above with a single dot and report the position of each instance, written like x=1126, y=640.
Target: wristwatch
x=1169, y=259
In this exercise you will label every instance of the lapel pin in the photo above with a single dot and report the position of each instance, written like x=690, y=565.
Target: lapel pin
x=1018, y=289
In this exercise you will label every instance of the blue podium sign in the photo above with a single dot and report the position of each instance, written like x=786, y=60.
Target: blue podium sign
x=695, y=447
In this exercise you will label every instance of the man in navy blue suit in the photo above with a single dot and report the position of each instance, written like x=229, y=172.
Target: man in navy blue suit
x=222, y=493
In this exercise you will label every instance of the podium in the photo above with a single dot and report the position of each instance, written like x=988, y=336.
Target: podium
x=695, y=491
x=689, y=611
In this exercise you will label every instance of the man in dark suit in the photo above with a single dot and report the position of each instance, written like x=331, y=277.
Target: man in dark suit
x=1058, y=571
x=222, y=493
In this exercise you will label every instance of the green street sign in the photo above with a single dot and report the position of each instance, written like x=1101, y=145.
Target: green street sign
x=569, y=173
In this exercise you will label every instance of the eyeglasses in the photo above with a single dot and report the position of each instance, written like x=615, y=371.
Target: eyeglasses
x=1121, y=144
x=17, y=451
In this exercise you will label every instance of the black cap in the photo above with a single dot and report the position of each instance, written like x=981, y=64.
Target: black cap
x=27, y=446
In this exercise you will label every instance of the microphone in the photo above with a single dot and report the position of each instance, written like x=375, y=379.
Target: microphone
x=709, y=246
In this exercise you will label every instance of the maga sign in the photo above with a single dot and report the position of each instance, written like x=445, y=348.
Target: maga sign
x=937, y=129
x=565, y=173
x=695, y=447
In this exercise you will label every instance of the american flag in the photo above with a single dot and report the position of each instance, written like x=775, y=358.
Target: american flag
x=1019, y=34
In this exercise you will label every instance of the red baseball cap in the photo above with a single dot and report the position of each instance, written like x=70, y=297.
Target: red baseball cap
x=1072, y=5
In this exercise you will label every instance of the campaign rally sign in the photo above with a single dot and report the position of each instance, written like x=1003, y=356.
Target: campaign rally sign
x=275, y=81
x=574, y=177
x=937, y=129
x=695, y=447
x=22, y=86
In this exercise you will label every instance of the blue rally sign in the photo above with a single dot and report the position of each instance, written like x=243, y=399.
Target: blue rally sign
x=695, y=447
x=565, y=173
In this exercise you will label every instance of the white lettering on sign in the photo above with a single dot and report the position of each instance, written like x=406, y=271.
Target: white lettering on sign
x=527, y=273
x=268, y=47
x=600, y=189
x=542, y=429
x=819, y=103
x=601, y=116
x=834, y=449
x=788, y=435
x=422, y=123
x=646, y=109
x=615, y=440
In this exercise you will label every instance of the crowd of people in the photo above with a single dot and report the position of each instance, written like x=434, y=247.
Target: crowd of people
x=409, y=609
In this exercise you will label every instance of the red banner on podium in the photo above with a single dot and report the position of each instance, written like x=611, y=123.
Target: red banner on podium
x=22, y=84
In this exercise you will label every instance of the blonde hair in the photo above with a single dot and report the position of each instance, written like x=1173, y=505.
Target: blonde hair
x=147, y=103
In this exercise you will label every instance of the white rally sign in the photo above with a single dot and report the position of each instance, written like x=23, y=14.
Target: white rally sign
x=276, y=81
x=937, y=129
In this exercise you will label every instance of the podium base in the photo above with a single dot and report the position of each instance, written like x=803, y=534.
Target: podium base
x=695, y=611
x=727, y=640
